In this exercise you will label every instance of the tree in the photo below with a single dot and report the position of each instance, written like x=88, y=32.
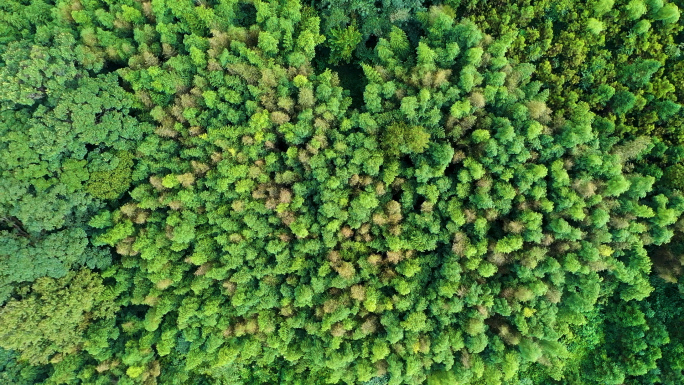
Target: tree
x=623, y=102
x=342, y=43
x=668, y=14
x=52, y=316
x=639, y=74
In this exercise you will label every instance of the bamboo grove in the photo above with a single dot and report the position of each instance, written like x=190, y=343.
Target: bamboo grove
x=341, y=192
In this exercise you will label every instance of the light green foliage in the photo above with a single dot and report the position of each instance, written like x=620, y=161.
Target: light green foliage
x=635, y=9
x=112, y=183
x=669, y=13
x=343, y=42
x=602, y=6
x=52, y=316
x=594, y=26
x=403, y=139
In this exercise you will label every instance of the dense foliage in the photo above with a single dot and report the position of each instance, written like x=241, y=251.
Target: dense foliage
x=341, y=192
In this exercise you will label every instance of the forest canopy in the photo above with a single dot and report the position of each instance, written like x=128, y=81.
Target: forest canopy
x=441, y=192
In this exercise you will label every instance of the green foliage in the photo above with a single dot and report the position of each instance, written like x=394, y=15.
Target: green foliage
x=668, y=14
x=13, y=371
x=479, y=193
x=342, y=43
x=403, y=139
x=112, y=183
x=51, y=318
x=375, y=19
x=31, y=72
x=45, y=162
x=623, y=102
x=674, y=176
x=639, y=74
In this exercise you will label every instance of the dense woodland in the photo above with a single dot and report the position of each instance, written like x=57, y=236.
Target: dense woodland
x=453, y=192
